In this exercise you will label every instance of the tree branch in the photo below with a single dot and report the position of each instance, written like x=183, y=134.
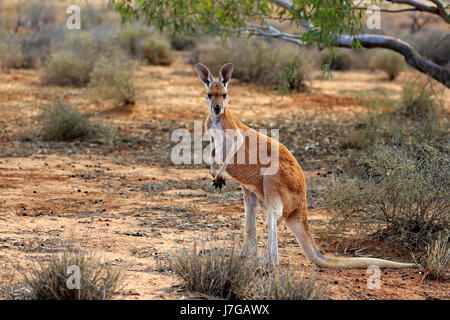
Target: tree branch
x=411, y=56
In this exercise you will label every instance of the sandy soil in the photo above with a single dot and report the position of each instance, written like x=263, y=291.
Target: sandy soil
x=133, y=212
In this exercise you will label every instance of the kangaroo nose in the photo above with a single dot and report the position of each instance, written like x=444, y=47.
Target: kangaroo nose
x=217, y=108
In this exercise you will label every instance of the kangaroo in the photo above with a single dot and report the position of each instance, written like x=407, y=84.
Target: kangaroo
x=280, y=193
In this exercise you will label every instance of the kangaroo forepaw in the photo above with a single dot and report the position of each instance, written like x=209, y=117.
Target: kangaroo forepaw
x=218, y=182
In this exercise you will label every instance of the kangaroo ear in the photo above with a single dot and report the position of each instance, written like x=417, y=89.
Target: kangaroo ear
x=204, y=74
x=225, y=74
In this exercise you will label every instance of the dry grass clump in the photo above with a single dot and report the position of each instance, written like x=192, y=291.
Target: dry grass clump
x=225, y=272
x=114, y=79
x=434, y=261
x=66, y=68
x=55, y=279
x=255, y=60
x=291, y=285
x=391, y=63
x=219, y=272
x=61, y=122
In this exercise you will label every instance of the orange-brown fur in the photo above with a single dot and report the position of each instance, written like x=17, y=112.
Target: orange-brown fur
x=287, y=184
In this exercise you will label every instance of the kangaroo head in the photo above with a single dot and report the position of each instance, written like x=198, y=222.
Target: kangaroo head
x=216, y=92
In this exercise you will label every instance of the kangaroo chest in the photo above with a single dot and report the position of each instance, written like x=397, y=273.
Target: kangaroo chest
x=223, y=140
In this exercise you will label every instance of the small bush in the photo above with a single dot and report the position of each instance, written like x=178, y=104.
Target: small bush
x=435, y=260
x=417, y=101
x=157, y=51
x=130, y=39
x=63, y=123
x=291, y=285
x=391, y=63
x=49, y=281
x=223, y=273
x=114, y=79
x=183, y=42
x=255, y=60
x=66, y=68
x=10, y=54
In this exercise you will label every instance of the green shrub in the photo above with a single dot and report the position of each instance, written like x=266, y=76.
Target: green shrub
x=157, y=51
x=114, y=79
x=49, y=281
x=291, y=285
x=390, y=62
x=63, y=123
x=218, y=272
x=254, y=60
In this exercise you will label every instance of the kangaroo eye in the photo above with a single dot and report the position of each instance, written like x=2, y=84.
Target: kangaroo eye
x=209, y=95
x=224, y=95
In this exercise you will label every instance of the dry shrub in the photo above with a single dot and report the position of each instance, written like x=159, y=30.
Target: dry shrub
x=49, y=281
x=63, y=123
x=225, y=272
x=130, y=40
x=183, y=42
x=417, y=101
x=157, y=51
x=433, y=44
x=396, y=184
x=390, y=62
x=402, y=197
x=10, y=54
x=291, y=285
x=340, y=60
x=66, y=68
x=255, y=60
x=114, y=79
x=219, y=272
x=434, y=262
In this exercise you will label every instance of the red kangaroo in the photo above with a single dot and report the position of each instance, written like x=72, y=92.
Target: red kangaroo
x=280, y=193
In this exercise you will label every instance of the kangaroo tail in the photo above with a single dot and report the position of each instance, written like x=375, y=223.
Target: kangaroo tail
x=299, y=227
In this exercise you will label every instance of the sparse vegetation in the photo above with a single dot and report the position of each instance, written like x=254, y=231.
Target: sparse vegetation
x=218, y=272
x=396, y=186
x=62, y=123
x=254, y=61
x=434, y=262
x=49, y=280
x=390, y=62
x=341, y=60
x=291, y=285
x=65, y=68
x=157, y=51
x=114, y=79
x=225, y=272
